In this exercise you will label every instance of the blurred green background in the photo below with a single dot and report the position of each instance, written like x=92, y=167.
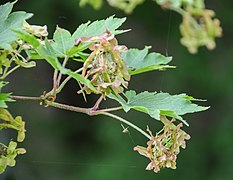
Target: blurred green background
x=72, y=146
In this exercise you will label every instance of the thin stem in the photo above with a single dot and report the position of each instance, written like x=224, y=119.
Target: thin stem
x=126, y=122
x=32, y=98
x=88, y=111
x=183, y=13
x=3, y=145
x=66, y=80
x=55, y=82
x=70, y=108
x=60, y=74
x=109, y=109
x=10, y=71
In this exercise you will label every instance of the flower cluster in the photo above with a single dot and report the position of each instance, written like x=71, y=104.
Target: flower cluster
x=201, y=31
x=105, y=67
x=7, y=121
x=8, y=155
x=199, y=26
x=162, y=149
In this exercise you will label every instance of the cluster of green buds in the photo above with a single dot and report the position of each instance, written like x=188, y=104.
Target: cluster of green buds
x=105, y=67
x=8, y=155
x=126, y=5
x=162, y=149
x=202, y=31
x=199, y=27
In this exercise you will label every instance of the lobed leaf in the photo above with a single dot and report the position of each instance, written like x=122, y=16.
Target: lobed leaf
x=63, y=42
x=156, y=104
x=9, y=23
x=98, y=27
x=140, y=61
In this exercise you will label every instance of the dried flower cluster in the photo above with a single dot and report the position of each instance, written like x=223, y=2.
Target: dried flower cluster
x=162, y=149
x=39, y=31
x=105, y=67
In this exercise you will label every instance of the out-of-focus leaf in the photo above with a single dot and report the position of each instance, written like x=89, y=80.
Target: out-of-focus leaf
x=139, y=61
x=156, y=104
x=94, y=3
x=126, y=5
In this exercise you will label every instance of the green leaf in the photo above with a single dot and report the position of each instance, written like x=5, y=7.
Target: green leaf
x=63, y=42
x=156, y=104
x=98, y=27
x=32, y=54
x=139, y=61
x=4, y=97
x=77, y=50
x=9, y=23
x=5, y=11
x=45, y=52
x=48, y=53
x=82, y=79
x=4, y=61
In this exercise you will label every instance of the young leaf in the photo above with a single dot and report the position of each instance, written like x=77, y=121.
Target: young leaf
x=63, y=42
x=156, y=104
x=11, y=22
x=4, y=97
x=139, y=61
x=98, y=27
